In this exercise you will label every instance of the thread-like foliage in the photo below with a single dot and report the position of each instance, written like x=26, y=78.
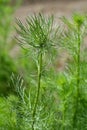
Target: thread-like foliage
x=53, y=100
x=73, y=108
x=37, y=34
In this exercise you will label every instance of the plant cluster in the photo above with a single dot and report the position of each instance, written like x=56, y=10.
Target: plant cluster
x=53, y=100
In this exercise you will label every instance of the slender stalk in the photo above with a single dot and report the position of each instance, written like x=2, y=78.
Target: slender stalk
x=63, y=126
x=78, y=78
x=38, y=89
x=78, y=62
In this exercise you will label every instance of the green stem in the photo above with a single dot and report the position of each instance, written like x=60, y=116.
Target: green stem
x=78, y=63
x=78, y=78
x=63, y=126
x=38, y=89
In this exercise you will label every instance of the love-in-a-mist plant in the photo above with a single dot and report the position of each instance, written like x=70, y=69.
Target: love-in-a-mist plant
x=37, y=35
x=72, y=109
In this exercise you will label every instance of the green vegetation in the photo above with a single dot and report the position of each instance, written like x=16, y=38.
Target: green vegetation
x=73, y=86
x=43, y=98
x=7, y=65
